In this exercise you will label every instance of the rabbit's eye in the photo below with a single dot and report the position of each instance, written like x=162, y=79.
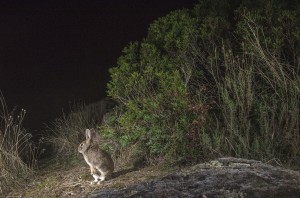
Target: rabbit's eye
x=81, y=144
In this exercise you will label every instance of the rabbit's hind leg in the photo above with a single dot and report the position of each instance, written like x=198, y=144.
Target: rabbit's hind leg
x=103, y=175
x=96, y=177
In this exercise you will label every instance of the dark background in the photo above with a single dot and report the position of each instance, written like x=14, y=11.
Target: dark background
x=54, y=53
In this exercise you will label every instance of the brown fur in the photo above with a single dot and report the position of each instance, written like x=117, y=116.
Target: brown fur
x=98, y=159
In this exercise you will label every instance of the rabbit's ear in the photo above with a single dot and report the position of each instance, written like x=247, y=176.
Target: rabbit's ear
x=88, y=134
x=92, y=132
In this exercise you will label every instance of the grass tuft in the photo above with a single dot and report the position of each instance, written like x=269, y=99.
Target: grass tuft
x=66, y=132
x=17, y=152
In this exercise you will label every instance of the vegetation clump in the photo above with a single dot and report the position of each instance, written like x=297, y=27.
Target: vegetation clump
x=66, y=132
x=219, y=80
x=17, y=152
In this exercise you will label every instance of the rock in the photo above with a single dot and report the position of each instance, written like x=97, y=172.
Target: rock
x=224, y=177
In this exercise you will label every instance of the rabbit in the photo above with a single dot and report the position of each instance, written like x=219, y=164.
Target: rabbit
x=96, y=158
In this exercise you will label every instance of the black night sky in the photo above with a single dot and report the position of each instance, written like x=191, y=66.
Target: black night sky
x=54, y=53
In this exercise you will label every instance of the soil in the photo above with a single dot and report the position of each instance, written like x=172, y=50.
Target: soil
x=74, y=180
x=223, y=177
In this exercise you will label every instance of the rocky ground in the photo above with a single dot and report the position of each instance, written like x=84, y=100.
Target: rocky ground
x=224, y=177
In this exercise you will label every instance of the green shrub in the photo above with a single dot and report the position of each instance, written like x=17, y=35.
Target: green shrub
x=214, y=81
x=152, y=88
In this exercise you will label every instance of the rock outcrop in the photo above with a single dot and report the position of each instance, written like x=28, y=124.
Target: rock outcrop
x=224, y=177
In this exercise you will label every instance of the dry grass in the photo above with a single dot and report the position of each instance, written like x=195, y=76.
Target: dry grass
x=256, y=95
x=74, y=180
x=17, y=152
x=66, y=132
